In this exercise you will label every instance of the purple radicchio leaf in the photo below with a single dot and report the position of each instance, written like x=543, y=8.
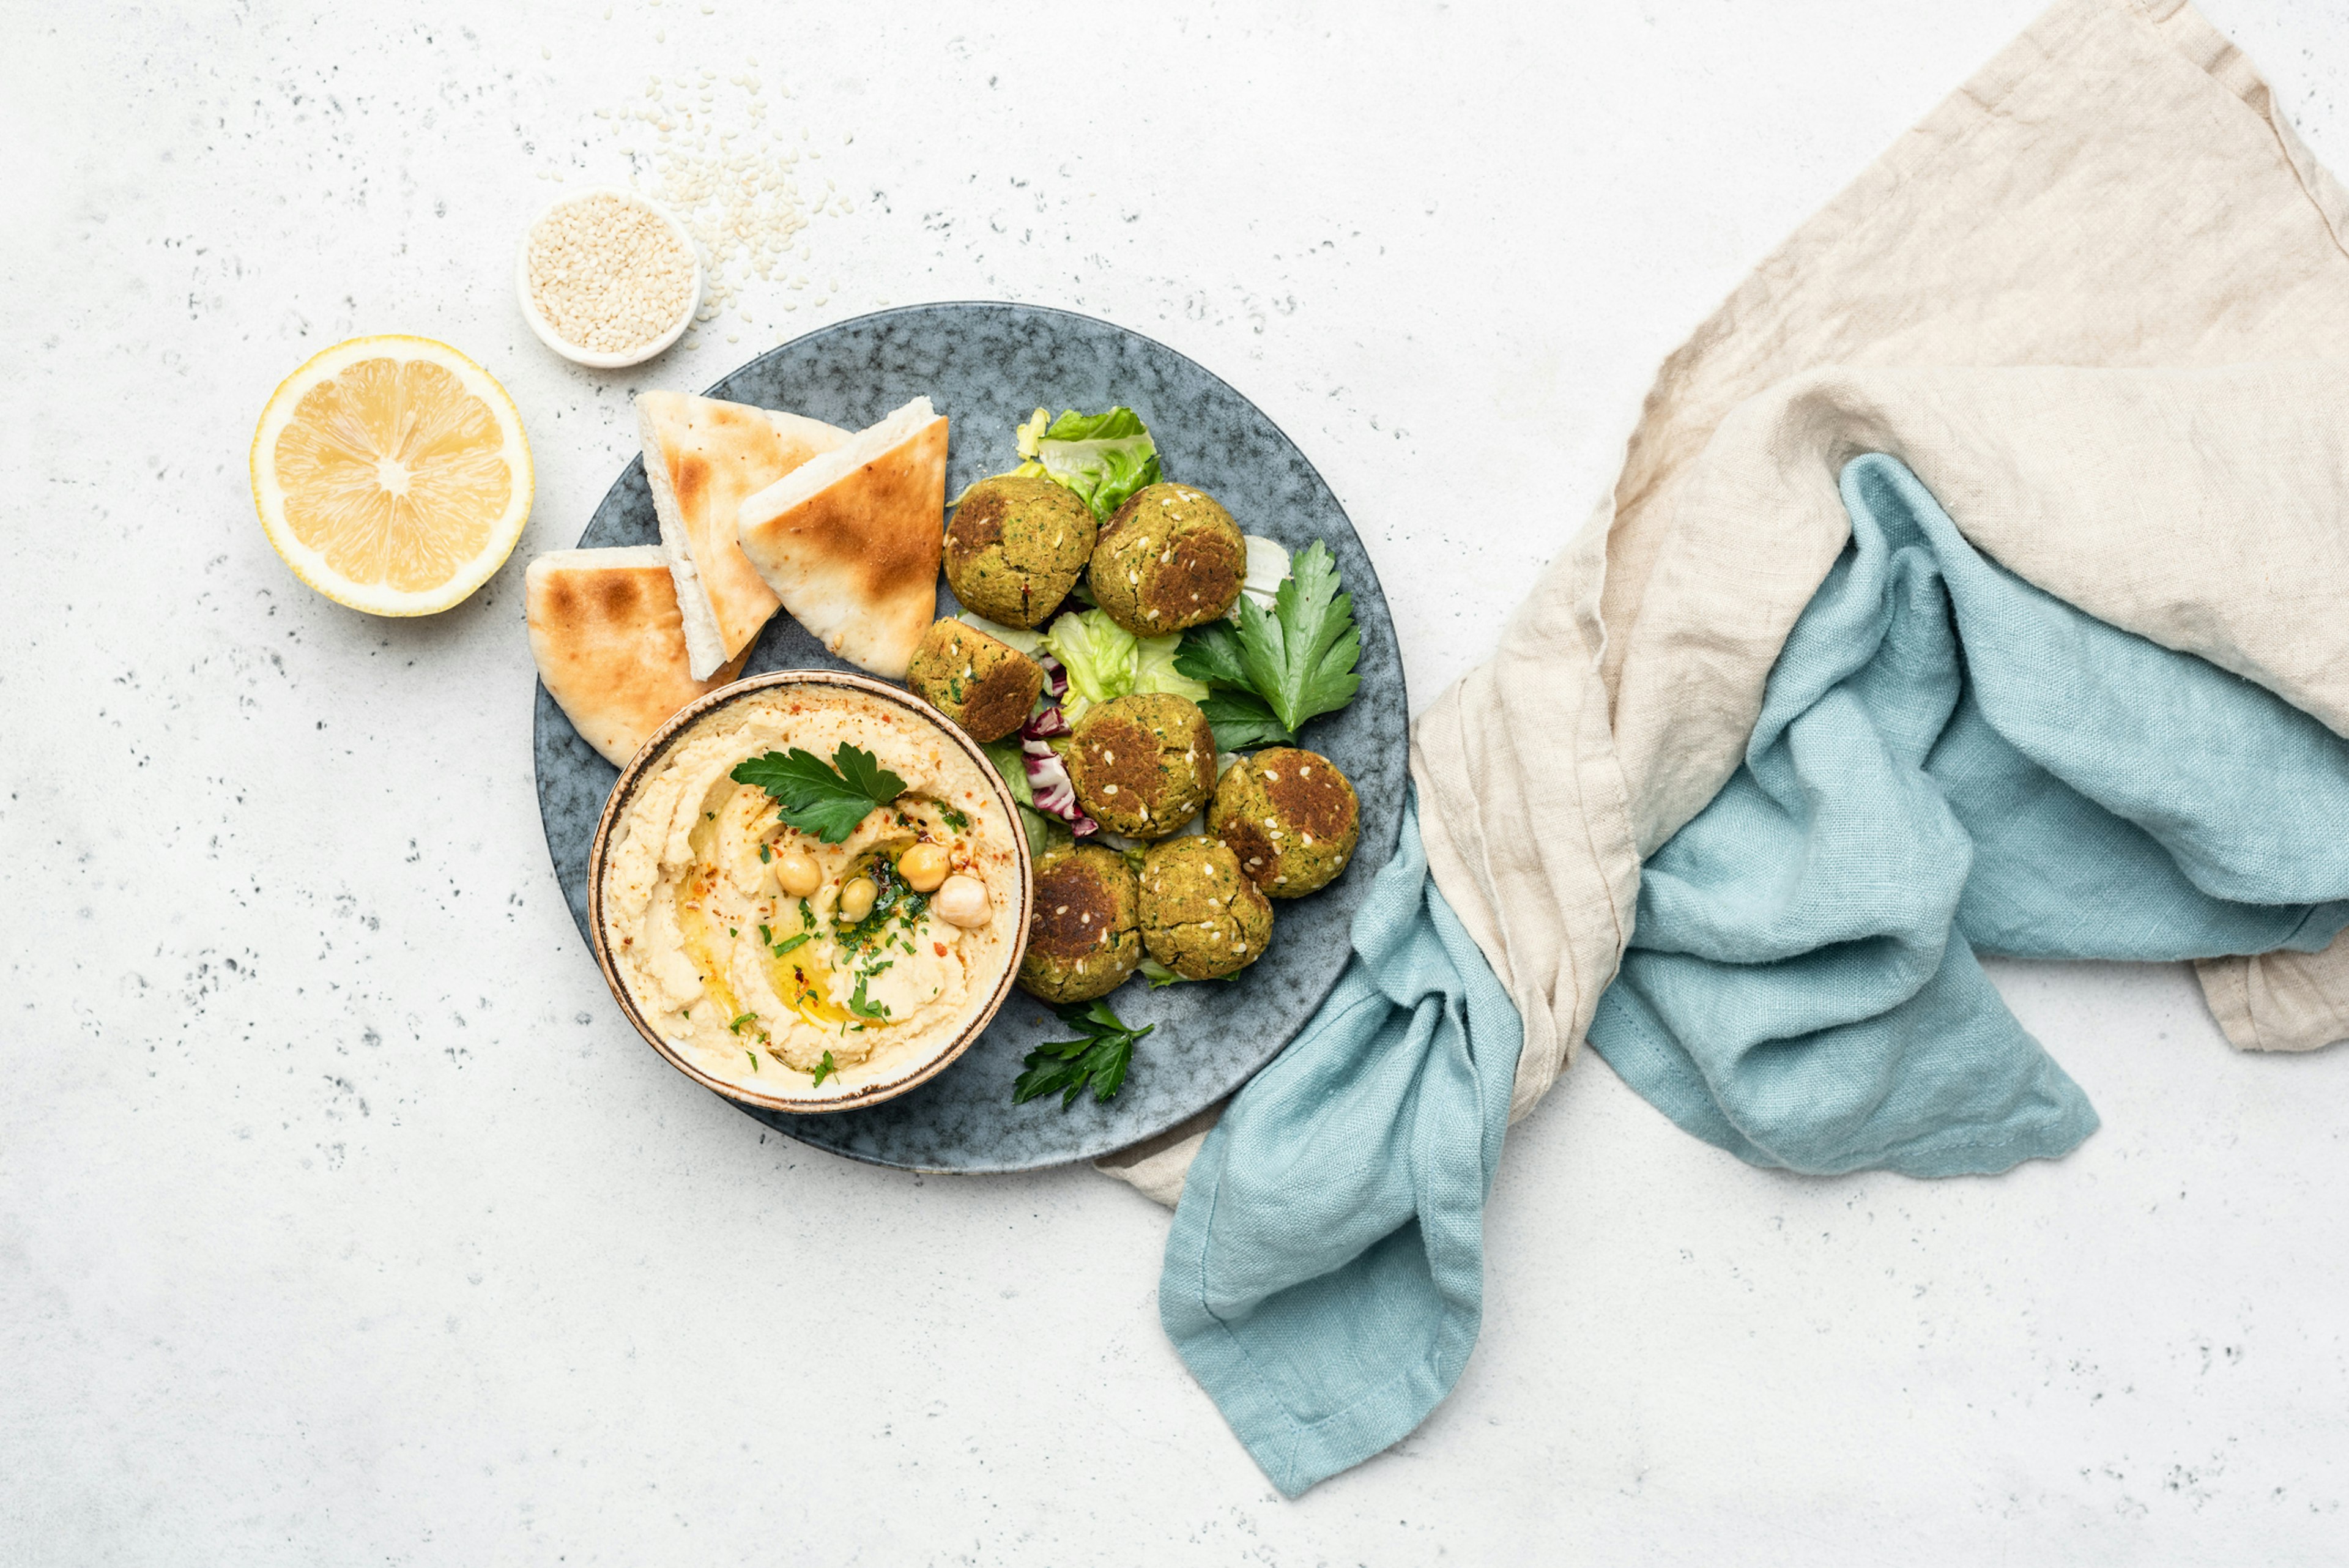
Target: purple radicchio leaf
x=1055, y=679
x=1047, y=779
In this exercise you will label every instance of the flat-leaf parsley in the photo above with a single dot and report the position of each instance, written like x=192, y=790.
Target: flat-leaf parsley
x=827, y=799
x=1099, y=1059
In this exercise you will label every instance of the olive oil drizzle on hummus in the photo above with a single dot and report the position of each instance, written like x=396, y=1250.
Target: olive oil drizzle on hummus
x=799, y=970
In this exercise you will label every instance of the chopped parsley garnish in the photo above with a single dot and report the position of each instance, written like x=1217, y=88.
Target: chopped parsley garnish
x=807, y=916
x=827, y=799
x=954, y=818
x=893, y=901
x=754, y=1059
x=765, y=855
x=860, y=1006
x=783, y=947
x=824, y=1069
x=1281, y=667
x=746, y=1018
x=1097, y=1059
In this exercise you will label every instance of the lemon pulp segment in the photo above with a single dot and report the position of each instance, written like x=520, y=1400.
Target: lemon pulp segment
x=394, y=473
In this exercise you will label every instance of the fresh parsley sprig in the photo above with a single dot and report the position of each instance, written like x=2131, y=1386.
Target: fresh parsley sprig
x=1099, y=1058
x=827, y=799
x=1278, y=667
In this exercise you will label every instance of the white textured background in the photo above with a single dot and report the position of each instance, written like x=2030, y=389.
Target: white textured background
x=342, y=1221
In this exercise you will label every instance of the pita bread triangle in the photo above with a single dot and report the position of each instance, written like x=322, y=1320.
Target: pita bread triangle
x=702, y=458
x=850, y=541
x=610, y=643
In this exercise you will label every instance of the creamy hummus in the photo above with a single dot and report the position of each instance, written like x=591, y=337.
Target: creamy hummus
x=770, y=991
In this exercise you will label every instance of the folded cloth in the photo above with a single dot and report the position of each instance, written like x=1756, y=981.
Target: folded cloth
x=2097, y=302
x=1325, y=1275
x=1948, y=760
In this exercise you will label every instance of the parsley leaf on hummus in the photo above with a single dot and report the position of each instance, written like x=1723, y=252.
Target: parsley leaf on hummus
x=827, y=799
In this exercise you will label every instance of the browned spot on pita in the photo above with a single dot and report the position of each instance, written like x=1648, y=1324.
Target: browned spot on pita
x=620, y=596
x=688, y=475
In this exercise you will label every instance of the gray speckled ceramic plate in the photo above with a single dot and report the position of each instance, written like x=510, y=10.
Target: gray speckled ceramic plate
x=987, y=368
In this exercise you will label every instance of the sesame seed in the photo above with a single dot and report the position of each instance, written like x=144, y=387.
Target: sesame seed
x=607, y=274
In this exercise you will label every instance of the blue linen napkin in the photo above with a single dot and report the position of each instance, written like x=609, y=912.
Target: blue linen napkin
x=1325, y=1276
x=1949, y=761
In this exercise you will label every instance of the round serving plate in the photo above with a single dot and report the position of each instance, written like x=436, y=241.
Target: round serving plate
x=987, y=368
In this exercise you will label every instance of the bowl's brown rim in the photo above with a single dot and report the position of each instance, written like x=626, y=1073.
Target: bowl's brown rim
x=641, y=765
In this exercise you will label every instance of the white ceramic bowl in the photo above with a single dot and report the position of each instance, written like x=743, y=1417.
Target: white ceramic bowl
x=588, y=356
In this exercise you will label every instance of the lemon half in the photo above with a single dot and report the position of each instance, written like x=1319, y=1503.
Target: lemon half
x=392, y=476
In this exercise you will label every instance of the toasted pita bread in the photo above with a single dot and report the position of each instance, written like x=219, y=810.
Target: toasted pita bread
x=850, y=541
x=610, y=643
x=702, y=458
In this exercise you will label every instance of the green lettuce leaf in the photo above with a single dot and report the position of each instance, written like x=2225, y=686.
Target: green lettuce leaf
x=1103, y=457
x=1156, y=668
x=1099, y=654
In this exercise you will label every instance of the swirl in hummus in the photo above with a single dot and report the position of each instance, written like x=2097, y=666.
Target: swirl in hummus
x=766, y=990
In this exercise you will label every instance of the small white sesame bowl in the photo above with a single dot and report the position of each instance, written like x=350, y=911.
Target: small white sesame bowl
x=591, y=357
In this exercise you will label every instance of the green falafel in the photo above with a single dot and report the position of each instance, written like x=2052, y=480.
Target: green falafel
x=985, y=685
x=1290, y=816
x=1143, y=764
x=1170, y=557
x=1200, y=915
x=1082, y=940
x=1015, y=546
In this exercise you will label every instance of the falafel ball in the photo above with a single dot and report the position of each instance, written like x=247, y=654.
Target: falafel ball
x=985, y=685
x=1082, y=940
x=1290, y=816
x=1143, y=764
x=1170, y=557
x=1200, y=915
x=1015, y=547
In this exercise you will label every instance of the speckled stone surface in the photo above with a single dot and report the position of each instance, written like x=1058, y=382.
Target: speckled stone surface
x=987, y=367
x=342, y=1220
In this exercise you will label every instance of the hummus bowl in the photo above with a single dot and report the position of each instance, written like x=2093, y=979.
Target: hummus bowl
x=779, y=969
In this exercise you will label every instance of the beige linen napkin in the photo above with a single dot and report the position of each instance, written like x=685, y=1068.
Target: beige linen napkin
x=2098, y=302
